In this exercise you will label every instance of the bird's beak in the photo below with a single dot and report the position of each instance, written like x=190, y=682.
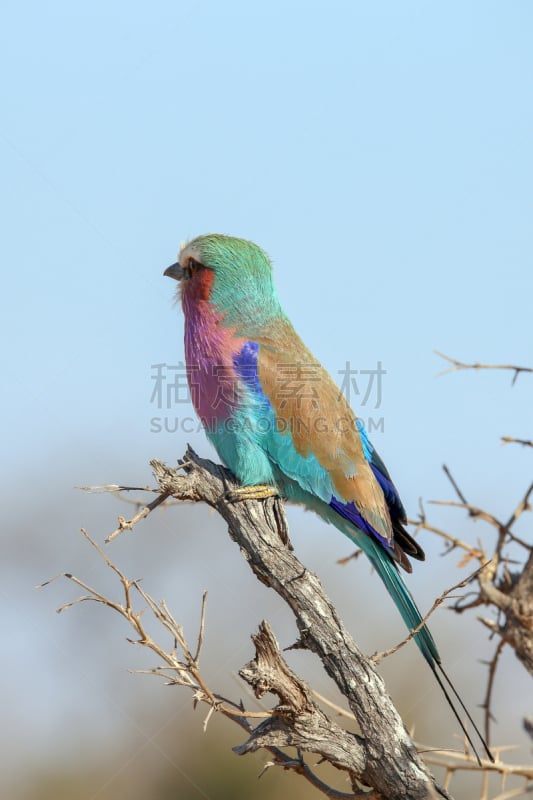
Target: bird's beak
x=175, y=271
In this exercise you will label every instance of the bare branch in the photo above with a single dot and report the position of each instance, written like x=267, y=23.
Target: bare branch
x=459, y=365
x=127, y=525
x=115, y=488
x=384, y=756
x=450, y=477
x=295, y=721
x=377, y=657
x=512, y=440
x=490, y=687
x=392, y=765
x=201, y=629
x=510, y=592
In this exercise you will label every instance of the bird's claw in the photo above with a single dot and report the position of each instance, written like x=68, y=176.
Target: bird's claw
x=261, y=492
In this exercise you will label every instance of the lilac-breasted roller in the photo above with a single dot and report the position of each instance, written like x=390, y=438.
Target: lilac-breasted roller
x=279, y=421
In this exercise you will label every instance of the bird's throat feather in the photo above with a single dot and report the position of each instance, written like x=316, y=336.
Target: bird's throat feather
x=210, y=348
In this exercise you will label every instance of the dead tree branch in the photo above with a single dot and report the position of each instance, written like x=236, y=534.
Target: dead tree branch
x=391, y=763
x=512, y=440
x=510, y=592
x=457, y=365
x=181, y=667
x=506, y=584
x=383, y=757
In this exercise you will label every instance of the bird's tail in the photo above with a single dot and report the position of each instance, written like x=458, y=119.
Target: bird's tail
x=403, y=600
x=412, y=617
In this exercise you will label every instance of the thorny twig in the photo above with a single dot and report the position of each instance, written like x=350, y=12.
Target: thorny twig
x=185, y=671
x=494, y=582
x=509, y=592
x=128, y=524
x=512, y=440
x=496, y=587
x=492, y=665
x=457, y=365
x=377, y=657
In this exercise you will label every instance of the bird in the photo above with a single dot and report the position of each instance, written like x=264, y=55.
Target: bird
x=280, y=423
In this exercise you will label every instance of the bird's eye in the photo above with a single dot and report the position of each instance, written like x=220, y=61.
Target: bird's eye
x=190, y=267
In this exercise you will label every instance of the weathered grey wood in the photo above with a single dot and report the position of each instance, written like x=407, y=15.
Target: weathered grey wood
x=514, y=597
x=384, y=757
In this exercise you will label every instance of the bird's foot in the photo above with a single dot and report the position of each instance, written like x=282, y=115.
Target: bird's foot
x=260, y=492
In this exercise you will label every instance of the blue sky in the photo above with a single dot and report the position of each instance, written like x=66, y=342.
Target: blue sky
x=380, y=152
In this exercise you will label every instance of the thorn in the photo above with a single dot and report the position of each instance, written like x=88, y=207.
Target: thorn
x=299, y=644
x=266, y=766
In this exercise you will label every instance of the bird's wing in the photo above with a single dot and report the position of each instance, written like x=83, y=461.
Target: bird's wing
x=314, y=438
x=382, y=476
x=403, y=542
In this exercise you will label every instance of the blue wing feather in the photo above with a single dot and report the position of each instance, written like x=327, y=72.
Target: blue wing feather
x=381, y=473
x=349, y=511
x=304, y=480
x=307, y=471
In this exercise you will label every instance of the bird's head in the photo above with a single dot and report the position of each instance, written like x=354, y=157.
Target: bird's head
x=233, y=275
